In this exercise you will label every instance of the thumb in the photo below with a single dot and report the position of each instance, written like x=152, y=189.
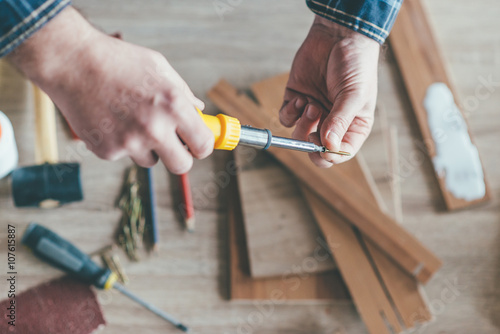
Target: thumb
x=337, y=123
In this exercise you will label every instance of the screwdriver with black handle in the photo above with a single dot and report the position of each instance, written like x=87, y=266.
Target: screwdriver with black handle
x=60, y=253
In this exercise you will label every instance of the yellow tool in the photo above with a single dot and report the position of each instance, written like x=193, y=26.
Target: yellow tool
x=229, y=132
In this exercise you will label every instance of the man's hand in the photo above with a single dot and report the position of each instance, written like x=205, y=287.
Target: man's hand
x=332, y=90
x=119, y=98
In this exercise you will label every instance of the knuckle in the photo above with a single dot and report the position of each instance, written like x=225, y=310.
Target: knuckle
x=175, y=99
x=157, y=57
x=285, y=119
x=204, y=147
x=106, y=154
x=340, y=122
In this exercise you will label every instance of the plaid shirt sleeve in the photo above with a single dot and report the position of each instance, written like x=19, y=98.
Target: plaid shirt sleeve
x=373, y=18
x=19, y=19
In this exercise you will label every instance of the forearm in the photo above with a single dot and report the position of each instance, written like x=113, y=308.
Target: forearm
x=372, y=18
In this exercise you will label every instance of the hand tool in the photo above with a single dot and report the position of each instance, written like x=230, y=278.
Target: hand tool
x=229, y=132
x=151, y=209
x=49, y=183
x=187, y=206
x=8, y=150
x=60, y=253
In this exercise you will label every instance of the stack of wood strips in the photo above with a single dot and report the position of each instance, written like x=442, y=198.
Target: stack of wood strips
x=383, y=284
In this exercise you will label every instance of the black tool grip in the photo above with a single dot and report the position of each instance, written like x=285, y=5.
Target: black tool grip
x=60, y=253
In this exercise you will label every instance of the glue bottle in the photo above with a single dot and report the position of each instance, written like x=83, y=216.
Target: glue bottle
x=8, y=150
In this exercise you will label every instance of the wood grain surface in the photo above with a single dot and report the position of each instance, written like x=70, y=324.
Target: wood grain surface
x=396, y=296
x=297, y=282
x=256, y=40
x=421, y=64
x=280, y=229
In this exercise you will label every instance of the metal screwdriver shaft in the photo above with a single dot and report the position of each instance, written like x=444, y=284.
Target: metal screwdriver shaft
x=263, y=139
x=150, y=307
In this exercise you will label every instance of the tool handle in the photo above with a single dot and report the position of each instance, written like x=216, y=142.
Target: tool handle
x=45, y=128
x=60, y=253
x=226, y=130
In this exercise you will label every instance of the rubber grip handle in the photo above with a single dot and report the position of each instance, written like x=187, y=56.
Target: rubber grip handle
x=226, y=130
x=60, y=253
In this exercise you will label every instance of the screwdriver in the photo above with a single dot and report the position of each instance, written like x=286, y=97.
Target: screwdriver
x=229, y=133
x=60, y=253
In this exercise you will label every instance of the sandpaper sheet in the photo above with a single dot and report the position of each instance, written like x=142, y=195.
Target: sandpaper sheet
x=61, y=306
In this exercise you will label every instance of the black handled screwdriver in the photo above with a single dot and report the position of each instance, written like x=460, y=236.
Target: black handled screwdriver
x=60, y=253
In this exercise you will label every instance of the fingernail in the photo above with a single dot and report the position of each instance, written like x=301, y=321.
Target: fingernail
x=300, y=103
x=312, y=113
x=333, y=138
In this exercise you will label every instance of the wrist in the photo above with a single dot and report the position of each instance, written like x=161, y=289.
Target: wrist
x=339, y=31
x=45, y=56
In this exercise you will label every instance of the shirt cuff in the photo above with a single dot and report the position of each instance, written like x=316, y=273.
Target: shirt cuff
x=373, y=18
x=19, y=19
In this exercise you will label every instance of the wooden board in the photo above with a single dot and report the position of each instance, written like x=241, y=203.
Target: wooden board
x=403, y=290
x=421, y=64
x=366, y=290
x=298, y=285
x=280, y=228
x=342, y=194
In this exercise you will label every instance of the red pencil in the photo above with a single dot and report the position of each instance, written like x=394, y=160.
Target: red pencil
x=187, y=202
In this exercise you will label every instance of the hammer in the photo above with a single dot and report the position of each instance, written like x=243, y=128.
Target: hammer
x=49, y=183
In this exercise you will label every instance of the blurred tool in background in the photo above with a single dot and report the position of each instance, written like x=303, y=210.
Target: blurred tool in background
x=49, y=183
x=151, y=209
x=9, y=156
x=60, y=253
x=187, y=207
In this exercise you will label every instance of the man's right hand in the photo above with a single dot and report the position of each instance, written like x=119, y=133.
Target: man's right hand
x=120, y=99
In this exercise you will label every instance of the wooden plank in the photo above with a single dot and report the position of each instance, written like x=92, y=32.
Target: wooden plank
x=298, y=285
x=421, y=65
x=280, y=228
x=342, y=194
x=403, y=290
x=356, y=269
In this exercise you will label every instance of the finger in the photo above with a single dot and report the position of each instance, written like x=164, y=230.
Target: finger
x=316, y=157
x=196, y=101
x=338, y=121
x=179, y=82
x=145, y=159
x=195, y=134
x=292, y=110
x=308, y=123
x=174, y=155
x=353, y=140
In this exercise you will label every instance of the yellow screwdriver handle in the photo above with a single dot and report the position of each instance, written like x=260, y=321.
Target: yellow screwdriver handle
x=226, y=130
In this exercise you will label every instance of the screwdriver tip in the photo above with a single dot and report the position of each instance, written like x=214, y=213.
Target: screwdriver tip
x=182, y=328
x=347, y=154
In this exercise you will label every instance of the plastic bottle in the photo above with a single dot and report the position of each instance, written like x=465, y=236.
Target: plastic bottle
x=8, y=150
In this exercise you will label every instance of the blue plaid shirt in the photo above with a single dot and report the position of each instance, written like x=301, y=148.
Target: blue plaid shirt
x=19, y=19
x=373, y=18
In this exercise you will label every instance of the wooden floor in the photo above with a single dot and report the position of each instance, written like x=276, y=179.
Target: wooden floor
x=255, y=40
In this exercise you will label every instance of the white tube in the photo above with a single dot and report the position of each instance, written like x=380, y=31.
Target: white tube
x=8, y=150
